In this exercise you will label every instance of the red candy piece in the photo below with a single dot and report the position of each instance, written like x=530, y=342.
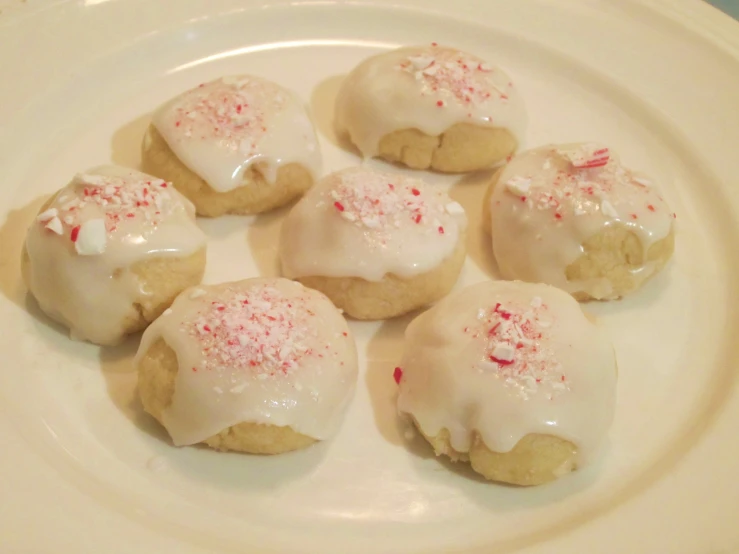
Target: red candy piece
x=598, y=158
x=398, y=375
x=587, y=156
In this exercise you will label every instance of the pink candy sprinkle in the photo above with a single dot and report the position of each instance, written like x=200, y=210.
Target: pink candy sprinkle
x=370, y=200
x=586, y=156
x=516, y=346
x=456, y=75
x=234, y=110
x=260, y=331
x=590, y=181
x=93, y=206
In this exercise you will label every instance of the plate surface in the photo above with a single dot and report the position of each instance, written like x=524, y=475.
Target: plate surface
x=86, y=471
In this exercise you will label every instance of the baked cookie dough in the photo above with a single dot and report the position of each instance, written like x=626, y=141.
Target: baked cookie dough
x=377, y=244
x=431, y=107
x=511, y=377
x=263, y=366
x=110, y=251
x=238, y=145
x=572, y=216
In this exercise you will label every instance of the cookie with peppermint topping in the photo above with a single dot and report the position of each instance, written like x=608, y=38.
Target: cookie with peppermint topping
x=511, y=377
x=235, y=145
x=110, y=251
x=378, y=244
x=431, y=107
x=573, y=216
x=262, y=366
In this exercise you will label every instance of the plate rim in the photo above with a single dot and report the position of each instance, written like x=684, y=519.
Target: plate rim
x=705, y=21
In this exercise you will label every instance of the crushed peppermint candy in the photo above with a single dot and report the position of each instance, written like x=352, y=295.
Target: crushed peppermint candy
x=234, y=110
x=50, y=219
x=519, y=185
x=584, y=156
x=516, y=347
x=457, y=76
x=381, y=201
x=91, y=238
x=580, y=180
x=607, y=209
x=261, y=331
x=115, y=200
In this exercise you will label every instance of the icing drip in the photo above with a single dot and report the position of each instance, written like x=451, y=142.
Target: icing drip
x=506, y=359
x=223, y=127
x=429, y=88
x=261, y=350
x=365, y=223
x=95, y=228
x=550, y=200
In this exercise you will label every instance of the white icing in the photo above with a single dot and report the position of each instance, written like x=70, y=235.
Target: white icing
x=429, y=88
x=261, y=350
x=86, y=284
x=223, y=127
x=538, y=230
x=364, y=223
x=557, y=376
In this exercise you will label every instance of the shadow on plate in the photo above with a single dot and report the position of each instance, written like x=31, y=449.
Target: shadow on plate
x=637, y=301
x=469, y=192
x=322, y=104
x=125, y=145
x=117, y=367
x=263, y=237
x=225, y=225
x=384, y=352
x=12, y=238
x=241, y=472
x=220, y=469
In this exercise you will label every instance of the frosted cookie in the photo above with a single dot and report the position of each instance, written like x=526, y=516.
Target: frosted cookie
x=510, y=377
x=262, y=366
x=431, y=107
x=377, y=244
x=239, y=145
x=110, y=251
x=574, y=217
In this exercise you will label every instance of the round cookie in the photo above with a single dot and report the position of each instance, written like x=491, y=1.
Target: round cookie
x=238, y=145
x=431, y=107
x=377, y=244
x=572, y=216
x=511, y=377
x=110, y=251
x=263, y=366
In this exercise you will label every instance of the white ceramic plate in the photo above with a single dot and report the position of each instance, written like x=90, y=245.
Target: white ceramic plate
x=84, y=470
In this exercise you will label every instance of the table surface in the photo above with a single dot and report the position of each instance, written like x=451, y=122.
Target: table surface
x=729, y=6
